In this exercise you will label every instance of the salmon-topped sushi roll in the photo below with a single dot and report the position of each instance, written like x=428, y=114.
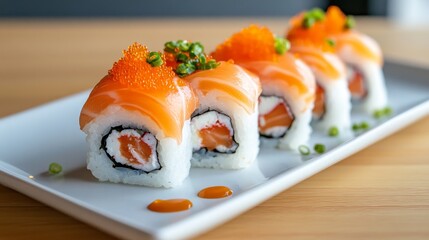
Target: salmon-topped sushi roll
x=288, y=85
x=225, y=125
x=363, y=58
x=137, y=121
x=333, y=101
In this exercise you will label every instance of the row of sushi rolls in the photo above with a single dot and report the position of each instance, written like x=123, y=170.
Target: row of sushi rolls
x=157, y=113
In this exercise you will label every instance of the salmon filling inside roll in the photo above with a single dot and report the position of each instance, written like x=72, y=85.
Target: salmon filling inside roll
x=319, y=103
x=212, y=131
x=131, y=148
x=275, y=117
x=356, y=83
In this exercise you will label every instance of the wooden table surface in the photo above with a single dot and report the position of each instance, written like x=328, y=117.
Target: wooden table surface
x=381, y=192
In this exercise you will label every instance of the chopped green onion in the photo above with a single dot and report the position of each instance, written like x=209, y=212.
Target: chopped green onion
x=308, y=15
x=364, y=125
x=304, y=150
x=196, y=49
x=361, y=126
x=191, y=57
x=170, y=47
x=356, y=127
x=387, y=111
x=330, y=42
x=378, y=114
x=210, y=64
x=202, y=59
x=318, y=14
x=193, y=61
x=184, y=69
x=213, y=64
x=313, y=16
x=183, y=45
x=154, y=59
x=350, y=22
x=181, y=57
x=308, y=22
x=333, y=132
x=55, y=168
x=319, y=148
x=281, y=45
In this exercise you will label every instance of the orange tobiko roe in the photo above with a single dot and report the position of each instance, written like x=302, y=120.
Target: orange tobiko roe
x=132, y=70
x=254, y=43
x=320, y=31
x=335, y=20
x=170, y=60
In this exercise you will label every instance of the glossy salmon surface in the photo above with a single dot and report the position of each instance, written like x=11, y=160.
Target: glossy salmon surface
x=229, y=81
x=254, y=49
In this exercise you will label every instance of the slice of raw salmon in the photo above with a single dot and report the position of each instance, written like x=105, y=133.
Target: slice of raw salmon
x=357, y=85
x=215, y=135
x=280, y=116
x=319, y=104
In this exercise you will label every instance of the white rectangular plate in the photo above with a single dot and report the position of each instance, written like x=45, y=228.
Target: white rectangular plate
x=31, y=140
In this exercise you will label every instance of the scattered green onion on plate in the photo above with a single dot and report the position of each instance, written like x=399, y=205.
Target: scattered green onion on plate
x=319, y=148
x=304, y=150
x=333, y=131
x=55, y=168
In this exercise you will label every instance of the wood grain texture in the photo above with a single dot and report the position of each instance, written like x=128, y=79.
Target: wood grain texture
x=381, y=192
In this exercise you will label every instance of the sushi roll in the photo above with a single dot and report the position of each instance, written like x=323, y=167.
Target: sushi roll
x=363, y=58
x=224, y=127
x=333, y=100
x=288, y=85
x=137, y=121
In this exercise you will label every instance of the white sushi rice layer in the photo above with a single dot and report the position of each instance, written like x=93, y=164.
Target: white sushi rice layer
x=173, y=156
x=206, y=120
x=113, y=147
x=372, y=72
x=245, y=127
x=299, y=132
x=337, y=99
x=337, y=107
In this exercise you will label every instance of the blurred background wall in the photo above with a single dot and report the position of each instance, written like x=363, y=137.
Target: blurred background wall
x=180, y=8
x=404, y=11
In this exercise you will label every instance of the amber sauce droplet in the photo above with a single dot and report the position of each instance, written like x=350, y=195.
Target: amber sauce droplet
x=215, y=192
x=170, y=205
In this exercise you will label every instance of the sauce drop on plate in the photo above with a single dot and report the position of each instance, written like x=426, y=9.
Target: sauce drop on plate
x=215, y=192
x=170, y=205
